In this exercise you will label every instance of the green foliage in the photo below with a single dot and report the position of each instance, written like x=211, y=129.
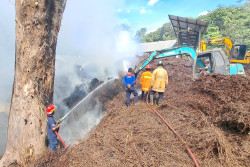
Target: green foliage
x=212, y=31
x=141, y=34
x=232, y=22
x=166, y=32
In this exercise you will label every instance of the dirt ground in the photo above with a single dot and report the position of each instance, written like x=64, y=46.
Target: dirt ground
x=211, y=114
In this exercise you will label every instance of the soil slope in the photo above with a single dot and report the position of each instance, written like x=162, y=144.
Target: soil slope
x=211, y=114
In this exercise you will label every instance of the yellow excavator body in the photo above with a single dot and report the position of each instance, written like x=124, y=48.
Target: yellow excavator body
x=236, y=53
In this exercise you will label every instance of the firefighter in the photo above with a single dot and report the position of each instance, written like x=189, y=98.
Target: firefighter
x=159, y=82
x=145, y=81
x=52, y=127
x=129, y=81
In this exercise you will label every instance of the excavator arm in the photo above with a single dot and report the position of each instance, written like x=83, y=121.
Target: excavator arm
x=203, y=46
x=226, y=41
x=168, y=53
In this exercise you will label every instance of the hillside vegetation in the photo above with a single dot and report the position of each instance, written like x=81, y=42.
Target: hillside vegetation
x=232, y=22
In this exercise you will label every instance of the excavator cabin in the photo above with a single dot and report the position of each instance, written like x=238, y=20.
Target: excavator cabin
x=239, y=54
x=218, y=63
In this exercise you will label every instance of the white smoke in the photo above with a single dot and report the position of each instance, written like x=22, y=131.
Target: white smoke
x=83, y=117
x=89, y=35
x=91, y=27
x=7, y=57
x=3, y=131
x=4, y=107
x=65, y=77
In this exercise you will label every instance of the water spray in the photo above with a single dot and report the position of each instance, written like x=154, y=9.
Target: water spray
x=98, y=87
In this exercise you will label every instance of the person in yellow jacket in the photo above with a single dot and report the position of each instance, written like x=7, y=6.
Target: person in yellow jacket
x=145, y=81
x=159, y=82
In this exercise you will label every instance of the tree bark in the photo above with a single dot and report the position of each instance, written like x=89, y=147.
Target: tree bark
x=37, y=27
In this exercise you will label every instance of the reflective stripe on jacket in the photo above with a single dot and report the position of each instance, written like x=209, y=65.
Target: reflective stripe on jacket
x=145, y=80
x=159, y=79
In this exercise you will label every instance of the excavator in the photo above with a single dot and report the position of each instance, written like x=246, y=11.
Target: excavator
x=218, y=60
x=236, y=53
x=189, y=33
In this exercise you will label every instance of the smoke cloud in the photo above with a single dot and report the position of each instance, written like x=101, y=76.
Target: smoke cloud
x=3, y=131
x=99, y=47
x=91, y=44
x=7, y=48
x=92, y=28
x=7, y=56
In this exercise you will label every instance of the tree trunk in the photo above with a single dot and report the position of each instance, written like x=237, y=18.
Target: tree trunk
x=37, y=27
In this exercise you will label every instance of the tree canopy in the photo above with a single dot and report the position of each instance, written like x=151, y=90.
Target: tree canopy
x=166, y=32
x=231, y=22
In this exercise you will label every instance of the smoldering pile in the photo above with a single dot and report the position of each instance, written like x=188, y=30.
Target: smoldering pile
x=135, y=136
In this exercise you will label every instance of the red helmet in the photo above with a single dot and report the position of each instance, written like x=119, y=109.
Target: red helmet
x=147, y=67
x=50, y=109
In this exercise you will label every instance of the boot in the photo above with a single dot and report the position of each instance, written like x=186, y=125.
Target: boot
x=142, y=97
x=159, y=102
x=151, y=100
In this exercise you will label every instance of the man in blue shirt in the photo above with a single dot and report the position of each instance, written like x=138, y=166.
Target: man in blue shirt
x=52, y=127
x=129, y=81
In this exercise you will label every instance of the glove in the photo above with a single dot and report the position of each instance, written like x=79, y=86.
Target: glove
x=128, y=86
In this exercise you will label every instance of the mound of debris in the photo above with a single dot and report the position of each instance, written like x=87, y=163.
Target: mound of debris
x=211, y=114
x=229, y=97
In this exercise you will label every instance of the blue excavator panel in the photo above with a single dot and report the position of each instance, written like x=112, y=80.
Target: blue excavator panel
x=237, y=69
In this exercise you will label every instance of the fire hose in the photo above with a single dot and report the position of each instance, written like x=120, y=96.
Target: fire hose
x=170, y=127
x=60, y=139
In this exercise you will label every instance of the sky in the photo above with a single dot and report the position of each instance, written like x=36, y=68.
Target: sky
x=152, y=14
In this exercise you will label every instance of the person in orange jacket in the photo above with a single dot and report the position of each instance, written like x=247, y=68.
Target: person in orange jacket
x=145, y=81
x=159, y=83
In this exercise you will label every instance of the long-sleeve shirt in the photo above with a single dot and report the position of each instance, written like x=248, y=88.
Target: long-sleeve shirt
x=129, y=79
x=51, y=123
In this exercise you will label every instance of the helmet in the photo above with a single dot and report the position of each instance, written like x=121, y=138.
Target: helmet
x=160, y=63
x=148, y=67
x=50, y=109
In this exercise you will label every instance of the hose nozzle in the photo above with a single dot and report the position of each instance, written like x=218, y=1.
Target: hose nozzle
x=60, y=121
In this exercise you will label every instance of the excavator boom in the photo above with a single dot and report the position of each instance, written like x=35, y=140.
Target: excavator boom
x=168, y=53
x=218, y=60
x=226, y=41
